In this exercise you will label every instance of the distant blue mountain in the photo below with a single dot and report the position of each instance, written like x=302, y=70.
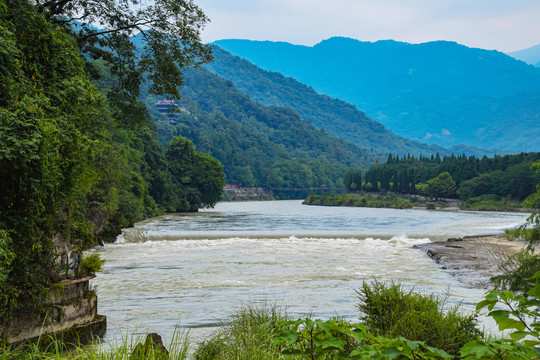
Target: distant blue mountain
x=530, y=55
x=438, y=92
x=337, y=117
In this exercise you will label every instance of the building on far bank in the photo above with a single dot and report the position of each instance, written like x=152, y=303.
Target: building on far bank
x=170, y=109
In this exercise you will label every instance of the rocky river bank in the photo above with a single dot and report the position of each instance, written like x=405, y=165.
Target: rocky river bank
x=473, y=260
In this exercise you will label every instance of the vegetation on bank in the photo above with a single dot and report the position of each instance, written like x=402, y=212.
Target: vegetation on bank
x=391, y=201
x=491, y=202
x=525, y=264
x=394, y=201
x=394, y=324
x=450, y=176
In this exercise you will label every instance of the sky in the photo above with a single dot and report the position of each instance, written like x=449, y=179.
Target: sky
x=504, y=25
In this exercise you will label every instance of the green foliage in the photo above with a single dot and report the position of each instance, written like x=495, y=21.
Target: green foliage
x=249, y=336
x=179, y=349
x=533, y=222
x=91, y=264
x=523, y=265
x=387, y=201
x=442, y=186
x=47, y=138
x=491, y=202
x=503, y=176
x=70, y=166
x=519, y=319
x=332, y=339
x=168, y=33
x=198, y=177
x=353, y=180
x=390, y=311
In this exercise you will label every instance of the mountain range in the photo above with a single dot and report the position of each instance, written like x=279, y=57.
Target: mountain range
x=437, y=92
x=530, y=55
x=276, y=145
x=338, y=117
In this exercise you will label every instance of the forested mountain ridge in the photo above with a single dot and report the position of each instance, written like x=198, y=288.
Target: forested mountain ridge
x=259, y=145
x=440, y=92
x=338, y=117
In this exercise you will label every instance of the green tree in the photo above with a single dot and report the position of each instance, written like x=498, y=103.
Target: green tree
x=353, y=180
x=442, y=186
x=198, y=178
x=208, y=179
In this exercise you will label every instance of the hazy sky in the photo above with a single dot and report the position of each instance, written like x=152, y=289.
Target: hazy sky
x=505, y=25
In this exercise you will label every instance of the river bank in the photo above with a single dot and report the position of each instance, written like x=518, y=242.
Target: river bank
x=473, y=260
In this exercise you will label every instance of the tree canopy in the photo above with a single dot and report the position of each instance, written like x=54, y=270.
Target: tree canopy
x=502, y=176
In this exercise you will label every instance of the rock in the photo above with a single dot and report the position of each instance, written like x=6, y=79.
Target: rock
x=153, y=348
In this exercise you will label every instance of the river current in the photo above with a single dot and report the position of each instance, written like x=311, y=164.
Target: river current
x=196, y=270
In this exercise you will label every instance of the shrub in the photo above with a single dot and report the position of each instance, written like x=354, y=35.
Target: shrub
x=391, y=311
x=91, y=264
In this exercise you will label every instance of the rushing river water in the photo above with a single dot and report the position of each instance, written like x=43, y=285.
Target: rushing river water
x=196, y=270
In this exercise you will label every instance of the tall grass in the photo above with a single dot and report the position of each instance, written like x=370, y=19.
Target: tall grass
x=249, y=336
x=390, y=311
x=120, y=350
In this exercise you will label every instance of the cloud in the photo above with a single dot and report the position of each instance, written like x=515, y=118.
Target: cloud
x=445, y=132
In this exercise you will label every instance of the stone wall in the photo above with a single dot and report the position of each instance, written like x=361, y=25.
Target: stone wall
x=245, y=194
x=70, y=314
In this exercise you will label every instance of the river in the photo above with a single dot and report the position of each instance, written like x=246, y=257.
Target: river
x=195, y=270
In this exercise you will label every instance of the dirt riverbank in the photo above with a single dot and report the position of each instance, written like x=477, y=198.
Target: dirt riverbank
x=473, y=260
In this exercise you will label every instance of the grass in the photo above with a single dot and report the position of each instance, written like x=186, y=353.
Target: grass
x=249, y=336
x=391, y=311
x=178, y=350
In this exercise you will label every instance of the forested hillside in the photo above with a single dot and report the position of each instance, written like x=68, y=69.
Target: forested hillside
x=338, y=117
x=259, y=145
x=439, y=92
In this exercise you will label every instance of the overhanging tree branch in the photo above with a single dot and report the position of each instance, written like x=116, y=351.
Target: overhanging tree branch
x=127, y=27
